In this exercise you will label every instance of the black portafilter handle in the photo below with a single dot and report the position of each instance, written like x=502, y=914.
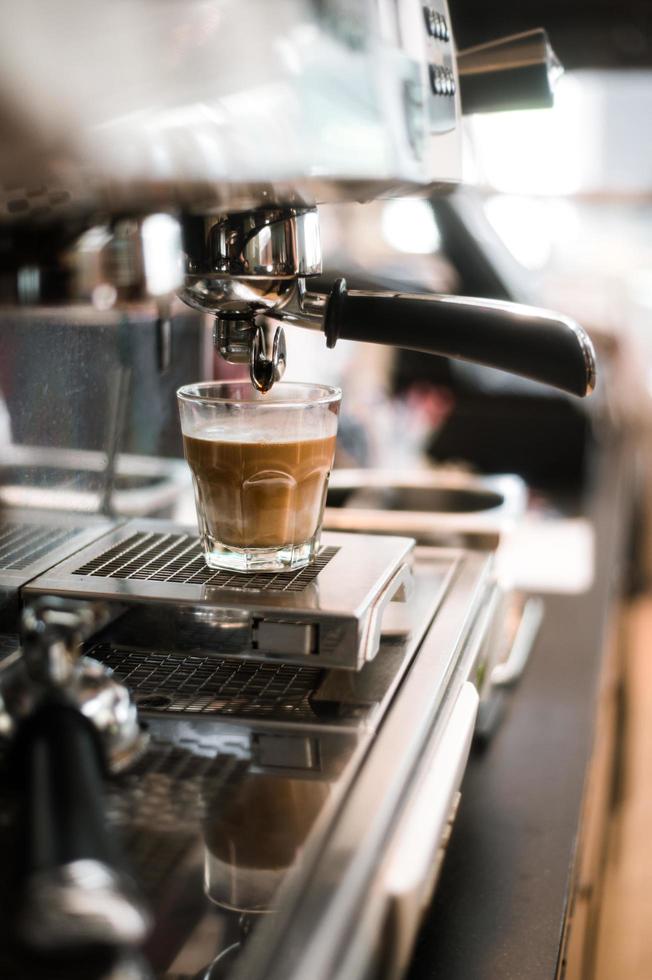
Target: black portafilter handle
x=524, y=340
x=73, y=892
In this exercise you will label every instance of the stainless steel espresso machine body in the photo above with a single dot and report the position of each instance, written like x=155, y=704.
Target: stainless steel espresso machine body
x=277, y=781
x=282, y=806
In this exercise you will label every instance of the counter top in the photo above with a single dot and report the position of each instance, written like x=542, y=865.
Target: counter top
x=500, y=905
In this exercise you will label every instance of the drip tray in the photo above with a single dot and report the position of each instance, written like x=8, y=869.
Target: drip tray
x=328, y=614
x=166, y=682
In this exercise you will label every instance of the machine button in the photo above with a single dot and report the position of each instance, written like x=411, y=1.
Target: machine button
x=436, y=24
x=442, y=80
x=287, y=638
x=429, y=16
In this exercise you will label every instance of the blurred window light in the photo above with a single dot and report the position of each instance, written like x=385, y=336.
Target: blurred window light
x=409, y=225
x=594, y=140
x=539, y=151
x=162, y=253
x=531, y=227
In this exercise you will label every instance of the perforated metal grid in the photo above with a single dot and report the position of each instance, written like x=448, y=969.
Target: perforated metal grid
x=210, y=685
x=155, y=557
x=23, y=544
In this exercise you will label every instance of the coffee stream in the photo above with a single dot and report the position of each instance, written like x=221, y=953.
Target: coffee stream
x=260, y=494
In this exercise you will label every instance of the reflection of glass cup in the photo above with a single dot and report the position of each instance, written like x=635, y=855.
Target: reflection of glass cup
x=260, y=466
x=256, y=836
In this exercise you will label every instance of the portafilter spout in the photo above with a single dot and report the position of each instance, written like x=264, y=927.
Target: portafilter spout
x=251, y=269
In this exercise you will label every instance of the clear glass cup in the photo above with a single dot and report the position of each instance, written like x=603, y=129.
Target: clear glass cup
x=260, y=466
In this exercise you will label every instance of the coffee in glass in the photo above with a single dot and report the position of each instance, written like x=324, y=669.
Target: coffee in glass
x=260, y=467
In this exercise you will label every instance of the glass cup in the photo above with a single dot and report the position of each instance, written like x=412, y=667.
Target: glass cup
x=260, y=466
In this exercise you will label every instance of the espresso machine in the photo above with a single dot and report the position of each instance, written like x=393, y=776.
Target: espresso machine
x=210, y=774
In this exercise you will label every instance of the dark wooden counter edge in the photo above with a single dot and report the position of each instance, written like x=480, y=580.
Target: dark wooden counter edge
x=501, y=902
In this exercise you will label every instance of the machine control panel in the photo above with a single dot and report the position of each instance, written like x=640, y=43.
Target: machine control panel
x=441, y=67
x=436, y=23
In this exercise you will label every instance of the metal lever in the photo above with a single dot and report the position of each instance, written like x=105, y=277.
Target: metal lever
x=534, y=343
x=509, y=671
x=516, y=72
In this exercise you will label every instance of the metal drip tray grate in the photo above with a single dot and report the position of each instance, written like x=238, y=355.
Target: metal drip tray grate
x=210, y=685
x=23, y=544
x=177, y=558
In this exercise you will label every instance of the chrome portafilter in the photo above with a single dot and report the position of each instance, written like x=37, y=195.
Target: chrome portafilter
x=256, y=267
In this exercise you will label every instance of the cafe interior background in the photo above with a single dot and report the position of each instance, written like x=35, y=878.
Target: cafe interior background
x=548, y=864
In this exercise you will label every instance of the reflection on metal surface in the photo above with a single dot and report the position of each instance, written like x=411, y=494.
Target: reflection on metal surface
x=53, y=631
x=253, y=838
x=248, y=259
x=159, y=805
x=108, y=704
x=80, y=904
